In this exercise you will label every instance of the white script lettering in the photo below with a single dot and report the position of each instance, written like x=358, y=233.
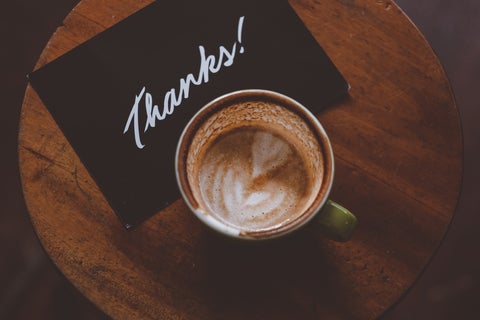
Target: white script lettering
x=209, y=64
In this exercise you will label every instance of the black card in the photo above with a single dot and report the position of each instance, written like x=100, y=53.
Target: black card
x=123, y=98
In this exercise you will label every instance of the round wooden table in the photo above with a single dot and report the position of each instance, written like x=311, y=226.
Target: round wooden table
x=398, y=145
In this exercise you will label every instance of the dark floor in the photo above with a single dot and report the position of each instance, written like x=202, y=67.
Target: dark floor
x=31, y=287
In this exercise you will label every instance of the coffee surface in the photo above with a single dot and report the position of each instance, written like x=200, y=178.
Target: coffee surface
x=255, y=164
x=253, y=178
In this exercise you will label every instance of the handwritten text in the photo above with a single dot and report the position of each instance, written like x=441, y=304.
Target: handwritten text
x=209, y=64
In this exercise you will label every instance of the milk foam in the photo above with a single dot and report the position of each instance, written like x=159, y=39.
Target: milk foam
x=253, y=164
x=252, y=178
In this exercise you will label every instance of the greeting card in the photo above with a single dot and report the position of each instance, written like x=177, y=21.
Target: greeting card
x=123, y=98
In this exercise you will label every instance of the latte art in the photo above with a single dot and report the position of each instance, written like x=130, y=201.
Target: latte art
x=252, y=178
x=253, y=164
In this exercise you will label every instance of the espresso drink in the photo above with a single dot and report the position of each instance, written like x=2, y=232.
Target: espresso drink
x=254, y=164
x=253, y=179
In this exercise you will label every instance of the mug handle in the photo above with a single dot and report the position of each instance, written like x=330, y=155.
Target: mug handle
x=336, y=222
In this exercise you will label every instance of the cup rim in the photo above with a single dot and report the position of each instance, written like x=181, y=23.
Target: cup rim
x=282, y=230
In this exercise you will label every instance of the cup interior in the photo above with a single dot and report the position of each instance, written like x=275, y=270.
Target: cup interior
x=276, y=114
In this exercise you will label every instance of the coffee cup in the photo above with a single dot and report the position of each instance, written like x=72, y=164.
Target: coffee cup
x=257, y=165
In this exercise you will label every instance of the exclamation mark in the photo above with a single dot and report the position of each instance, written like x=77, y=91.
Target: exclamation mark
x=239, y=33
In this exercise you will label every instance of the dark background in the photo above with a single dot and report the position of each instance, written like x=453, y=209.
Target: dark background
x=32, y=288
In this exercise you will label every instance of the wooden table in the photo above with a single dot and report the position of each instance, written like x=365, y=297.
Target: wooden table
x=398, y=145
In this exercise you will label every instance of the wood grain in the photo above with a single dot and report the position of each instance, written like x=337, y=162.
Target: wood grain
x=398, y=146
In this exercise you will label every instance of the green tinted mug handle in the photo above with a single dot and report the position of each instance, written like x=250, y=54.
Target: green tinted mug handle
x=335, y=222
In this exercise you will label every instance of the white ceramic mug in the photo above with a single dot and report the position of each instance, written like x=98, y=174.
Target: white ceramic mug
x=256, y=164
